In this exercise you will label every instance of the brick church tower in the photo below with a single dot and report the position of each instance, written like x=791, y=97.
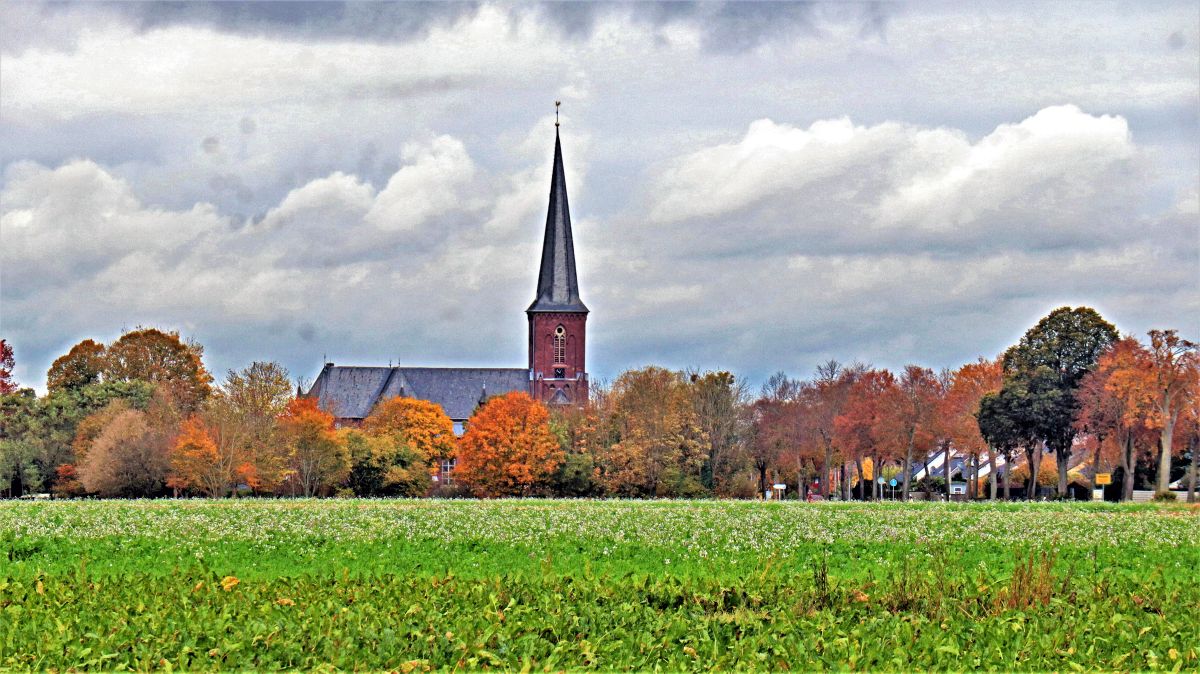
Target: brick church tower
x=557, y=317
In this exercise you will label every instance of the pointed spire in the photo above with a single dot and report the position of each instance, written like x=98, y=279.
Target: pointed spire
x=558, y=287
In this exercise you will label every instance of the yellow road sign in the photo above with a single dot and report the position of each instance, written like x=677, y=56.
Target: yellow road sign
x=1103, y=478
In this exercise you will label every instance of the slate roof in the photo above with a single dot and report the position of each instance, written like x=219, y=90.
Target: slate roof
x=350, y=392
x=558, y=287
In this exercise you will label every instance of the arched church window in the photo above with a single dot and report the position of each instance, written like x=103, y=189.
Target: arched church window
x=560, y=345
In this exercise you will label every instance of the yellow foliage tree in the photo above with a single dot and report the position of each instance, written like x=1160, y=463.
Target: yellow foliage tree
x=420, y=424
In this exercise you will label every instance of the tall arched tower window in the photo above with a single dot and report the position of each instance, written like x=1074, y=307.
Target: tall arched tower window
x=560, y=345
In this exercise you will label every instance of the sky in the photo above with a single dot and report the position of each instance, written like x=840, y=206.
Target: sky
x=753, y=187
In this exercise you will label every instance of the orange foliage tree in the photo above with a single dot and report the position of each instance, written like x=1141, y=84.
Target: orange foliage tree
x=509, y=448
x=317, y=457
x=422, y=425
x=161, y=358
x=82, y=365
x=1174, y=381
x=958, y=411
x=196, y=463
x=6, y=367
x=1118, y=399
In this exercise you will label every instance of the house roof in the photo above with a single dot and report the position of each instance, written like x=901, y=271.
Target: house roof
x=558, y=287
x=351, y=392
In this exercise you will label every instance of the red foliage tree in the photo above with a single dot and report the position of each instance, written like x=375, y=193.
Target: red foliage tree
x=7, y=363
x=1174, y=381
x=1117, y=400
x=958, y=412
x=864, y=431
x=908, y=412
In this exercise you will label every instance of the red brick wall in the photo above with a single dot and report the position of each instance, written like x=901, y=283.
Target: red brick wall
x=541, y=356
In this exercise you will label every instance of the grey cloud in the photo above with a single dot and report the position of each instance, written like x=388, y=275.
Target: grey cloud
x=376, y=21
x=727, y=27
x=741, y=26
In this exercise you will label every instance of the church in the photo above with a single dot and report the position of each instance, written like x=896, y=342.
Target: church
x=557, y=322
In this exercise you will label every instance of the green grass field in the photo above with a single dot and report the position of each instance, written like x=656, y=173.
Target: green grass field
x=608, y=585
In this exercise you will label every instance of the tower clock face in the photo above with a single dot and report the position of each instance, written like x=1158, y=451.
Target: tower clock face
x=560, y=373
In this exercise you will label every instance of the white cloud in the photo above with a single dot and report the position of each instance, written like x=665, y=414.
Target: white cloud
x=1061, y=177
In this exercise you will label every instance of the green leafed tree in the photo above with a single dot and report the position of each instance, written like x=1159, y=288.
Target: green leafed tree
x=1044, y=370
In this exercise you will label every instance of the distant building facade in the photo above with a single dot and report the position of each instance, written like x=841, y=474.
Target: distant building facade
x=557, y=371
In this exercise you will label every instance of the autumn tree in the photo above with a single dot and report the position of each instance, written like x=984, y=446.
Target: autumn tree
x=243, y=413
x=196, y=462
x=823, y=402
x=385, y=465
x=421, y=425
x=1046, y=367
x=660, y=446
x=907, y=412
x=317, y=458
x=7, y=363
x=41, y=431
x=719, y=399
x=1192, y=426
x=509, y=448
x=1119, y=398
x=864, y=429
x=1099, y=417
x=959, y=411
x=161, y=358
x=131, y=455
x=776, y=426
x=582, y=432
x=83, y=365
x=1171, y=361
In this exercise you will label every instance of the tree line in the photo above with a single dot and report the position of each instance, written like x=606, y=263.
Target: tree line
x=142, y=417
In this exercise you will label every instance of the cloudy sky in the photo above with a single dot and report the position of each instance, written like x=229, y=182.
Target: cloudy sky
x=753, y=186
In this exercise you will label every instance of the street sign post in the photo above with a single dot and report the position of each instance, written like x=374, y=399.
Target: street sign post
x=1103, y=479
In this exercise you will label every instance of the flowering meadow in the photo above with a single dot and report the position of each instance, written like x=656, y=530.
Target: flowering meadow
x=557, y=584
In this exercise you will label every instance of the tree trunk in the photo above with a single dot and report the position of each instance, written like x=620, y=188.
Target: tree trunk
x=799, y=478
x=876, y=472
x=1128, y=465
x=946, y=469
x=1035, y=464
x=1192, y=472
x=1062, y=459
x=1008, y=476
x=907, y=469
x=1096, y=459
x=762, y=478
x=826, y=477
x=862, y=480
x=973, y=485
x=1164, y=458
x=991, y=474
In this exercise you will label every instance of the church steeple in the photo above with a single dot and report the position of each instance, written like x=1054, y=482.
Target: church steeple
x=558, y=287
x=557, y=317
